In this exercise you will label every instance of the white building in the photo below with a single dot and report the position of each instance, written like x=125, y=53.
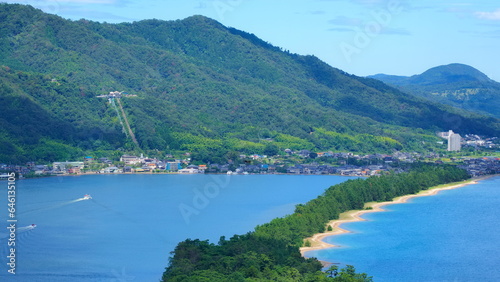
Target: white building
x=111, y=169
x=131, y=160
x=64, y=165
x=189, y=171
x=454, y=141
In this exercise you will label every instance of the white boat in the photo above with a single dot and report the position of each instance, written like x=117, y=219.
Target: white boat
x=87, y=197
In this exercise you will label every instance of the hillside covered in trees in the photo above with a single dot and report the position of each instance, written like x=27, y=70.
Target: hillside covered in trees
x=455, y=84
x=201, y=87
x=271, y=252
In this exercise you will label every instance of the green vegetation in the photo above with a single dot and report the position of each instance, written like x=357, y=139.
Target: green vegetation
x=55, y=121
x=271, y=252
x=458, y=85
x=201, y=87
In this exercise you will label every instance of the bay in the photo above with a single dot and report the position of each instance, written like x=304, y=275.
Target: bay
x=451, y=236
x=128, y=229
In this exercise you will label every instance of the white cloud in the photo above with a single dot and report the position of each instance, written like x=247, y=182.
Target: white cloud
x=494, y=16
x=485, y=34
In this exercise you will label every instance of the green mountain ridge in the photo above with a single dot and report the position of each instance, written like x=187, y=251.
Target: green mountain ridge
x=458, y=85
x=201, y=87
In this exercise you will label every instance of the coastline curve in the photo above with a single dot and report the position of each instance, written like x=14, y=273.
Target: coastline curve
x=317, y=240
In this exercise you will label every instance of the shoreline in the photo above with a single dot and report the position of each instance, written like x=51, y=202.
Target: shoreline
x=317, y=242
x=173, y=173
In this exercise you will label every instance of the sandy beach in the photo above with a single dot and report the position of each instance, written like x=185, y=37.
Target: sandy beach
x=317, y=242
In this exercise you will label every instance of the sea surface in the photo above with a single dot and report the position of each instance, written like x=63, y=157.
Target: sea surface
x=451, y=236
x=128, y=229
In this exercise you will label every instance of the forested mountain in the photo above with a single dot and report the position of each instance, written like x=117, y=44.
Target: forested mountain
x=455, y=84
x=201, y=87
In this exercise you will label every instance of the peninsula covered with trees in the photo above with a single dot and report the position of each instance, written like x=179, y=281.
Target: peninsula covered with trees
x=271, y=252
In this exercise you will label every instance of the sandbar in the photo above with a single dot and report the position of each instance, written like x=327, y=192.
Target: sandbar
x=317, y=243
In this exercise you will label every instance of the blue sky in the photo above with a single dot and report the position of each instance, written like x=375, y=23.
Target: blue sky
x=361, y=37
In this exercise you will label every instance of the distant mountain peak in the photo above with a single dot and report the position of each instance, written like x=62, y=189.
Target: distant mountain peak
x=202, y=20
x=455, y=84
x=449, y=74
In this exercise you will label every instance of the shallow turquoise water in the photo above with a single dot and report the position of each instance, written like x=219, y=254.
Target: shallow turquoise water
x=452, y=236
x=125, y=233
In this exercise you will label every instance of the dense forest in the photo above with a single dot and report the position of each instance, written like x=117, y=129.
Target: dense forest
x=201, y=87
x=271, y=252
x=455, y=84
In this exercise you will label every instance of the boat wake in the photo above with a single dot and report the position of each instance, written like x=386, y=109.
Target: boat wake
x=26, y=228
x=19, y=232
x=56, y=206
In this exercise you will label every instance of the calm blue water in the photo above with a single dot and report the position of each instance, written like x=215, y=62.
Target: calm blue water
x=125, y=233
x=452, y=236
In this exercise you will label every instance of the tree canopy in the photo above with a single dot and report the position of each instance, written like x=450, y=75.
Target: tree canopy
x=271, y=252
